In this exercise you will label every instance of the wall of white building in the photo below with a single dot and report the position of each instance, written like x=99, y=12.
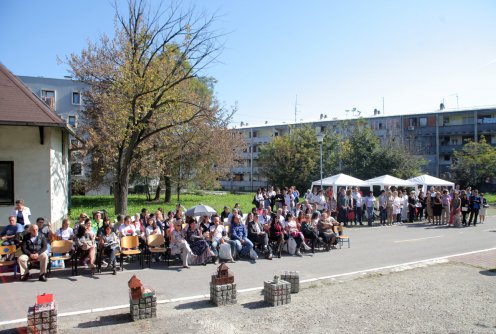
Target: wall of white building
x=40, y=177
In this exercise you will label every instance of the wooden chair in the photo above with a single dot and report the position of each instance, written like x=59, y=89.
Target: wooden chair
x=155, y=244
x=64, y=248
x=342, y=238
x=129, y=247
x=9, y=250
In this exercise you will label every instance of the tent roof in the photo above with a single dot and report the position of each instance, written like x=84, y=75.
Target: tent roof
x=388, y=180
x=341, y=180
x=429, y=180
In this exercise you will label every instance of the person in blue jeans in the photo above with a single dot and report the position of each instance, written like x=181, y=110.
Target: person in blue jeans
x=240, y=236
x=370, y=203
x=475, y=202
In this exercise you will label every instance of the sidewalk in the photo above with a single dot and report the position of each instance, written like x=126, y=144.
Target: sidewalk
x=445, y=298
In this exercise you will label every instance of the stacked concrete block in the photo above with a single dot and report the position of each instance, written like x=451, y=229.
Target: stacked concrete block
x=144, y=307
x=292, y=277
x=277, y=292
x=42, y=319
x=223, y=294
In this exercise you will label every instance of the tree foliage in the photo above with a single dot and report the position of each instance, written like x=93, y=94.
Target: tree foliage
x=474, y=163
x=351, y=148
x=143, y=83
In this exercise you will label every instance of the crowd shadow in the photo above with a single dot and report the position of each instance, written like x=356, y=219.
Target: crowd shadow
x=196, y=305
x=108, y=320
x=256, y=305
x=490, y=272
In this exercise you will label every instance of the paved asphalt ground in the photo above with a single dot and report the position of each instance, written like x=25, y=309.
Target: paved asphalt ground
x=370, y=248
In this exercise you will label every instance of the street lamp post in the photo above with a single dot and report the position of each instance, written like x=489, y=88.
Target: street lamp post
x=320, y=139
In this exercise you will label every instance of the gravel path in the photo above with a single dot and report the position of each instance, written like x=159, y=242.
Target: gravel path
x=442, y=298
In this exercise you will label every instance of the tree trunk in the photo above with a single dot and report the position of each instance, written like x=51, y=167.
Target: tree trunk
x=122, y=183
x=157, y=193
x=147, y=190
x=168, y=188
x=120, y=193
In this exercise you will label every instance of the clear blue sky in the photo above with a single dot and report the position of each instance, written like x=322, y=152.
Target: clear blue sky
x=335, y=55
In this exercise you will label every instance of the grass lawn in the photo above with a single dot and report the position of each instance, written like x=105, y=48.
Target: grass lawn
x=88, y=204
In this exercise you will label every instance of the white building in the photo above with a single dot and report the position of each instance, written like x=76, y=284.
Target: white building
x=34, y=153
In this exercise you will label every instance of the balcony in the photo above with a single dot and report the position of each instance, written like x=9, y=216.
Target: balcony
x=449, y=148
x=247, y=155
x=464, y=129
x=258, y=140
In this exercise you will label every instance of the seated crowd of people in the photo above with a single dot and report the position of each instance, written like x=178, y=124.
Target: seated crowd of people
x=278, y=220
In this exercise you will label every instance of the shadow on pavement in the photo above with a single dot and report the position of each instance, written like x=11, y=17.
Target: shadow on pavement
x=255, y=305
x=490, y=272
x=108, y=320
x=197, y=305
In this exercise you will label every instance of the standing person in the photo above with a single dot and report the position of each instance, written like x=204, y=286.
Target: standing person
x=342, y=207
x=22, y=214
x=475, y=202
x=404, y=206
x=482, y=210
x=396, y=207
x=320, y=201
x=34, y=246
x=456, y=209
x=383, y=207
x=421, y=205
x=357, y=205
x=271, y=194
x=446, y=211
x=389, y=208
x=429, y=201
x=437, y=208
x=465, y=206
x=370, y=204
x=412, y=206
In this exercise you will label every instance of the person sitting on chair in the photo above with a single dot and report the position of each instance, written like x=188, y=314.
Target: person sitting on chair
x=9, y=233
x=326, y=232
x=34, y=246
x=109, y=245
x=65, y=232
x=240, y=236
x=257, y=234
x=179, y=245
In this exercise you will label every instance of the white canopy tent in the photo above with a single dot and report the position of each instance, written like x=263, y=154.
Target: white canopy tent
x=388, y=180
x=428, y=180
x=340, y=180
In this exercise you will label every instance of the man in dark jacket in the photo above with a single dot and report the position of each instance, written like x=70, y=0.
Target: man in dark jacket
x=34, y=246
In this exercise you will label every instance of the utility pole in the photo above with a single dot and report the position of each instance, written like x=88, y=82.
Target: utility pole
x=383, y=105
x=296, y=106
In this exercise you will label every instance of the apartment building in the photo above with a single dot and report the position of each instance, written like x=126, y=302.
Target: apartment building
x=434, y=136
x=66, y=98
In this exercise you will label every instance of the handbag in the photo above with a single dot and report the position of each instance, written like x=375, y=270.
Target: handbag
x=350, y=215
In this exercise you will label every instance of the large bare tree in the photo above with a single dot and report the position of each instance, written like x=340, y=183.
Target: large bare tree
x=142, y=83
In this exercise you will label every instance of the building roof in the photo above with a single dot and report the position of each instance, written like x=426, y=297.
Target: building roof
x=19, y=106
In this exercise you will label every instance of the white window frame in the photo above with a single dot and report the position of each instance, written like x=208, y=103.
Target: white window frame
x=54, y=96
x=80, y=98
x=75, y=120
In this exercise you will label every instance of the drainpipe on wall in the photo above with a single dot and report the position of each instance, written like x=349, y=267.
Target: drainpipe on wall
x=437, y=145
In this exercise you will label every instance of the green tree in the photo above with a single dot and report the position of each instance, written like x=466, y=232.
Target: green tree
x=293, y=159
x=475, y=162
x=143, y=82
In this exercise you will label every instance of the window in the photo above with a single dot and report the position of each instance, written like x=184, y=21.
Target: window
x=412, y=122
x=76, y=168
x=238, y=177
x=423, y=121
x=76, y=98
x=6, y=182
x=48, y=96
x=255, y=134
x=454, y=141
x=380, y=126
x=447, y=157
x=74, y=143
x=72, y=120
x=446, y=120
